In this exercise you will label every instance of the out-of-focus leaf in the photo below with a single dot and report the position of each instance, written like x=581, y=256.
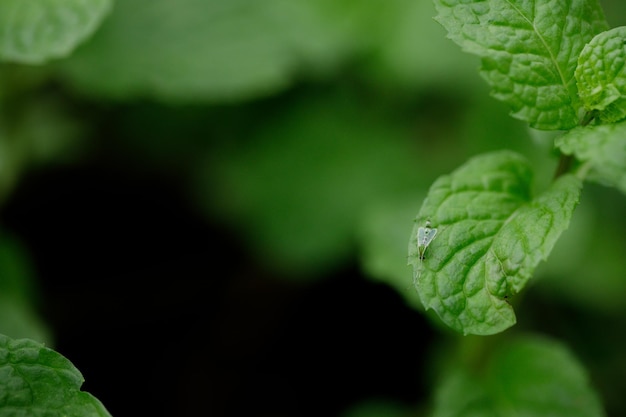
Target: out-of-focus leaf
x=37, y=381
x=601, y=75
x=238, y=49
x=525, y=377
x=491, y=236
x=37, y=30
x=408, y=49
x=37, y=131
x=586, y=267
x=603, y=146
x=299, y=186
x=192, y=50
x=460, y=395
x=383, y=243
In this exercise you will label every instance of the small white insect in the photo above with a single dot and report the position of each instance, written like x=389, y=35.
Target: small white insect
x=425, y=235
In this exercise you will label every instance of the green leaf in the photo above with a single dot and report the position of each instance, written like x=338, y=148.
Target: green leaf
x=491, y=236
x=603, y=147
x=601, y=75
x=37, y=30
x=194, y=50
x=529, y=51
x=37, y=381
x=525, y=377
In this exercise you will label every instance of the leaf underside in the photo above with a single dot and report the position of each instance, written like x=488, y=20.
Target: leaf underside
x=529, y=51
x=527, y=376
x=491, y=236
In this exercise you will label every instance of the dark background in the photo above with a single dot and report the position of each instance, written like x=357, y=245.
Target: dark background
x=176, y=318
x=171, y=305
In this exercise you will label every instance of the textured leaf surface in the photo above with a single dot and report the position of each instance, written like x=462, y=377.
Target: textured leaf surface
x=601, y=75
x=37, y=381
x=604, y=147
x=526, y=377
x=529, y=51
x=37, y=30
x=491, y=236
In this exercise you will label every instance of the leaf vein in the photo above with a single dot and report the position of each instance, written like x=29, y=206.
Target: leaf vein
x=543, y=42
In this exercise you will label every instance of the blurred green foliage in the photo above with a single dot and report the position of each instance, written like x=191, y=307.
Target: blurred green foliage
x=299, y=185
x=198, y=51
x=523, y=376
x=36, y=31
x=311, y=128
x=19, y=295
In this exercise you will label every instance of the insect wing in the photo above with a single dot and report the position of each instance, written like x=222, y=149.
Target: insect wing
x=421, y=236
x=425, y=235
x=429, y=236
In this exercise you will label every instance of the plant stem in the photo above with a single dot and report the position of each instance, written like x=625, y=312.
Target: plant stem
x=565, y=161
x=587, y=118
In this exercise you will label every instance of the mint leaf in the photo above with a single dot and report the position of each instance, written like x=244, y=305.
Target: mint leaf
x=37, y=381
x=37, y=30
x=603, y=147
x=529, y=51
x=491, y=236
x=601, y=75
x=526, y=377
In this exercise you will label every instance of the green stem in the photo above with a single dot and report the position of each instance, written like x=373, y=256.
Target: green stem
x=587, y=118
x=565, y=161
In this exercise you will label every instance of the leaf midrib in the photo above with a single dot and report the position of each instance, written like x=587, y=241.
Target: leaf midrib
x=545, y=44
